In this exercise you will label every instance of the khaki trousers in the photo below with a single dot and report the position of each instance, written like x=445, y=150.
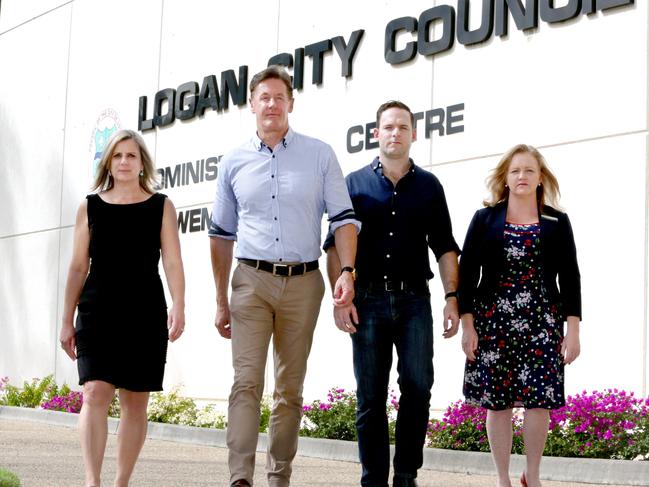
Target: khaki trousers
x=285, y=308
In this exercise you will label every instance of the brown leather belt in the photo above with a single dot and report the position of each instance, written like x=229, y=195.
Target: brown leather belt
x=286, y=270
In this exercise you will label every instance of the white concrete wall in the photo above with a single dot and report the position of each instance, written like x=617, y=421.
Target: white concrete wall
x=577, y=90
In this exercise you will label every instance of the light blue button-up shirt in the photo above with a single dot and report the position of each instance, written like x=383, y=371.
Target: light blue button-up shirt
x=271, y=200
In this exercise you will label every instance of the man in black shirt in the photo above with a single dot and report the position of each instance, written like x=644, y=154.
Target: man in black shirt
x=403, y=213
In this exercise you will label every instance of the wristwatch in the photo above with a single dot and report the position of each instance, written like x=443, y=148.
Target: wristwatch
x=350, y=270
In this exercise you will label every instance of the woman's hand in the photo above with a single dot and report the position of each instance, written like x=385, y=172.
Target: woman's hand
x=176, y=323
x=173, y=265
x=570, y=347
x=68, y=339
x=469, y=337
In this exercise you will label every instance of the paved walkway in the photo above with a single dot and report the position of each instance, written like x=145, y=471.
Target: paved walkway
x=43, y=455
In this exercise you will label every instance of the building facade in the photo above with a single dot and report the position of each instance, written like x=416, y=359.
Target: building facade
x=482, y=76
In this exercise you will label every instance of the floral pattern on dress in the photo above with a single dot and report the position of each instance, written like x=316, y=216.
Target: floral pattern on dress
x=518, y=362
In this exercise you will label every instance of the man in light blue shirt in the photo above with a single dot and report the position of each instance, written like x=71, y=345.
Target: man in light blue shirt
x=271, y=195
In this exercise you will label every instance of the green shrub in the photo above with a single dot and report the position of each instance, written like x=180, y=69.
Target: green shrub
x=8, y=479
x=265, y=408
x=172, y=408
x=334, y=419
x=463, y=427
x=209, y=417
x=33, y=393
x=69, y=403
x=114, y=410
x=610, y=424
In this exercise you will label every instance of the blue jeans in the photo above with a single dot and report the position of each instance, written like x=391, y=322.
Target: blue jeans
x=402, y=319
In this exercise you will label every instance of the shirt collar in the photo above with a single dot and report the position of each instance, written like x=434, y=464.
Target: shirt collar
x=259, y=144
x=377, y=167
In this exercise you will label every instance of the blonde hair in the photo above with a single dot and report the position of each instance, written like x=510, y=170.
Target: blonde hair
x=546, y=194
x=104, y=180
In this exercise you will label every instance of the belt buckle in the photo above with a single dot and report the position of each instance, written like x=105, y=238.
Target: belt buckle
x=285, y=266
x=391, y=286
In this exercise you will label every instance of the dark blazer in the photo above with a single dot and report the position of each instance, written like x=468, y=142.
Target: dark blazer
x=483, y=259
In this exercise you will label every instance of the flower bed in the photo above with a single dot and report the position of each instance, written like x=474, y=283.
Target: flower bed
x=611, y=424
x=69, y=403
x=335, y=418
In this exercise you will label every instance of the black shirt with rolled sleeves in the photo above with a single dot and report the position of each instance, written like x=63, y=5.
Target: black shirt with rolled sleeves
x=399, y=224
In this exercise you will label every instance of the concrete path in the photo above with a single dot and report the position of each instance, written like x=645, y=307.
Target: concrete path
x=45, y=455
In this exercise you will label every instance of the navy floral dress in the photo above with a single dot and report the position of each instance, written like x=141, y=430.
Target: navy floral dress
x=518, y=362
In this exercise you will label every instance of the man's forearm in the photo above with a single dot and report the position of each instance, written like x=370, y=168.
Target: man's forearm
x=449, y=272
x=221, y=253
x=346, y=238
x=333, y=266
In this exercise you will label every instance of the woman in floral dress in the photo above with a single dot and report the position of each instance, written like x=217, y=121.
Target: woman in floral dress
x=512, y=310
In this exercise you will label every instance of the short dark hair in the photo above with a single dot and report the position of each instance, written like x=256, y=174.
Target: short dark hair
x=393, y=104
x=274, y=71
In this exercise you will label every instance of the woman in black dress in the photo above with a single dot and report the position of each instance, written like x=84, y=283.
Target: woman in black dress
x=512, y=310
x=122, y=326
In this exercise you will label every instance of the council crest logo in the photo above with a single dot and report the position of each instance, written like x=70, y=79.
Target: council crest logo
x=106, y=125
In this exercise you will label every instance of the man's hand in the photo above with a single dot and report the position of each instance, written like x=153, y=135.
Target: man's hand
x=344, y=290
x=221, y=254
x=451, y=318
x=222, y=321
x=346, y=317
x=448, y=270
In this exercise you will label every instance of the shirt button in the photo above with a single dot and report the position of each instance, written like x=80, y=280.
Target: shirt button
x=280, y=260
x=273, y=196
x=388, y=256
x=272, y=175
x=277, y=240
x=394, y=212
x=391, y=234
x=385, y=277
x=275, y=218
x=395, y=192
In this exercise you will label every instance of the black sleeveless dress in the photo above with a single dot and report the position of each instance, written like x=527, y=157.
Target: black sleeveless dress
x=121, y=326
